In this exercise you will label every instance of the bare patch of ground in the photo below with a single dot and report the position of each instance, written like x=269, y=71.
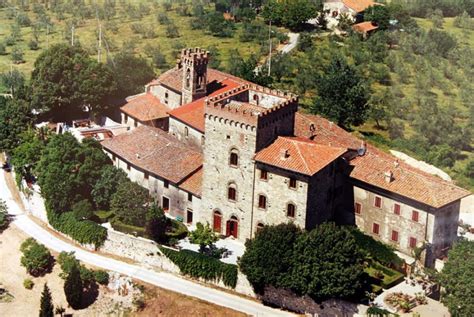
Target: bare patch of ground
x=163, y=303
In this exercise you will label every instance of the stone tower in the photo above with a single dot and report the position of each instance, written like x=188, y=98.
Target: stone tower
x=236, y=127
x=194, y=65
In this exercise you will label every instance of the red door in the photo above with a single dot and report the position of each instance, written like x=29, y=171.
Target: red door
x=232, y=228
x=217, y=221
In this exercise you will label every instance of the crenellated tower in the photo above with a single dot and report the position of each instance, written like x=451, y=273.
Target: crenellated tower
x=194, y=63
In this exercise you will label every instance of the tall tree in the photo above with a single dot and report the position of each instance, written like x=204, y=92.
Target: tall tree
x=73, y=288
x=378, y=14
x=106, y=185
x=457, y=278
x=327, y=263
x=130, y=203
x=342, y=94
x=204, y=236
x=47, y=307
x=156, y=223
x=15, y=117
x=269, y=255
x=131, y=73
x=65, y=81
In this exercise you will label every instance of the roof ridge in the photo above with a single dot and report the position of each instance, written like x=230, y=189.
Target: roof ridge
x=302, y=157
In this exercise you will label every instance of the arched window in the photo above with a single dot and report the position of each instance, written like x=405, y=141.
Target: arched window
x=291, y=210
x=262, y=202
x=234, y=157
x=186, y=131
x=259, y=227
x=188, y=78
x=232, y=192
x=256, y=99
x=217, y=221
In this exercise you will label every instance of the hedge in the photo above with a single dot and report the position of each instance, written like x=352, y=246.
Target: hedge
x=129, y=229
x=201, y=266
x=83, y=231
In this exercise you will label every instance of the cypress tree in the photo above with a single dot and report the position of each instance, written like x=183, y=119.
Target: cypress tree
x=73, y=288
x=47, y=308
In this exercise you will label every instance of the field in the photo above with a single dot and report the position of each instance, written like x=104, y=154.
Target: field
x=117, y=34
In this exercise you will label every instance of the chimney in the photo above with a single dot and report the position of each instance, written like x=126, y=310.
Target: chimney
x=388, y=176
x=396, y=163
x=284, y=154
x=312, y=131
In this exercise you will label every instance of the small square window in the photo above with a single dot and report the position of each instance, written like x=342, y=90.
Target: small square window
x=263, y=174
x=128, y=167
x=396, y=209
x=413, y=242
x=378, y=202
x=415, y=215
x=376, y=228
x=357, y=208
x=190, y=197
x=394, y=236
x=292, y=183
x=146, y=175
x=166, y=184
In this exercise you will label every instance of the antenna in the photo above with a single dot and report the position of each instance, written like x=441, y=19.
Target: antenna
x=100, y=43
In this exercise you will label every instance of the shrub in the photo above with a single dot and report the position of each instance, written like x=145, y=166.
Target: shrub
x=36, y=257
x=376, y=250
x=172, y=31
x=200, y=266
x=33, y=45
x=83, y=231
x=82, y=210
x=129, y=229
x=101, y=277
x=3, y=49
x=28, y=283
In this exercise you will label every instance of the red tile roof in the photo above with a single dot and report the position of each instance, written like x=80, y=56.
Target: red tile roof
x=193, y=183
x=145, y=107
x=193, y=113
x=371, y=167
x=173, y=78
x=358, y=5
x=298, y=154
x=155, y=151
x=364, y=27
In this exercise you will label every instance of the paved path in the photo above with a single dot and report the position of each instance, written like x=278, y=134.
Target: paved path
x=163, y=280
x=292, y=42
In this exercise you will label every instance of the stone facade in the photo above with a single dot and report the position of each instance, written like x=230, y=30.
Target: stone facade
x=169, y=97
x=174, y=200
x=405, y=224
x=186, y=133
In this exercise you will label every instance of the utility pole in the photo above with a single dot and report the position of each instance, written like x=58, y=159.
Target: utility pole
x=11, y=78
x=270, y=49
x=100, y=44
x=72, y=35
x=47, y=36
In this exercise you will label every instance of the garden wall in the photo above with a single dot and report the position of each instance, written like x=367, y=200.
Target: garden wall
x=146, y=251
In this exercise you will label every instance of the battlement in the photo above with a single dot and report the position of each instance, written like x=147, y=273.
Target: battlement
x=233, y=105
x=194, y=56
x=269, y=91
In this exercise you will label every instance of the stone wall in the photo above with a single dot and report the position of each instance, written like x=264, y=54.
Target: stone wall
x=279, y=195
x=193, y=138
x=146, y=252
x=173, y=100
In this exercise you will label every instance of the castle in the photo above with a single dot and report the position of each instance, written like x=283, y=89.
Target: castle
x=211, y=147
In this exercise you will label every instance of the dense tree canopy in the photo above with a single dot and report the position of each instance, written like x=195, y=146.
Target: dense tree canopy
x=378, y=14
x=36, y=257
x=68, y=170
x=15, y=117
x=65, y=80
x=130, y=203
x=269, y=255
x=106, y=185
x=289, y=13
x=342, y=94
x=156, y=223
x=131, y=73
x=323, y=263
x=457, y=278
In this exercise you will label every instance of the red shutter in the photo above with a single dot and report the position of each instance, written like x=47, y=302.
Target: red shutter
x=358, y=208
x=394, y=235
x=376, y=228
x=412, y=242
x=396, y=209
x=414, y=215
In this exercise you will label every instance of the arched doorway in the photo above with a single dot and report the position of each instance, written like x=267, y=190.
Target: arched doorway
x=232, y=227
x=217, y=221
